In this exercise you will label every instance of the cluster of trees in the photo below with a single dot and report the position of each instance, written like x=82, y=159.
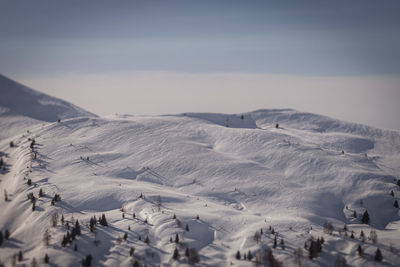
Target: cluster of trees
x=55, y=199
x=69, y=237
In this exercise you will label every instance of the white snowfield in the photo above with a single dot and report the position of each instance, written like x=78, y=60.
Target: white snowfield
x=238, y=174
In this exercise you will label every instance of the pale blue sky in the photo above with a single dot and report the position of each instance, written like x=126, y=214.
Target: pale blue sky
x=43, y=42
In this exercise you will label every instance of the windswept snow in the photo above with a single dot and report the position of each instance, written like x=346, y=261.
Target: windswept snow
x=239, y=174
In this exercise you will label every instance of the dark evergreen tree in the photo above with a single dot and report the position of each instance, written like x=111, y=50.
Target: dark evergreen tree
x=313, y=250
x=176, y=255
x=46, y=258
x=365, y=218
x=282, y=244
x=238, y=255
x=11, y=144
x=355, y=214
x=125, y=236
x=352, y=235
x=396, y=204
x=75, y=247
x=378, y=255
x=277, y=125
x=392, y=193
x=136, y=264
x=92, y=224
x=20, y=256
x=1, y=238
x=319, y=245
x=147, y=240
x=77, y=228
x=359, y=250
x=176, y=238
x=197, y=217
x=275, y=242
x=398, y=182
x=131, y=251
x=64, y=241
x=187, y=252
x=29, y=182
x=249, y=256
x=88, y=261
x=187, y=227
x=174, y=217
x=134, y=216
x=103, y=220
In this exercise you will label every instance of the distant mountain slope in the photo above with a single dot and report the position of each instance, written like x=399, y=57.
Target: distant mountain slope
x=21, y=106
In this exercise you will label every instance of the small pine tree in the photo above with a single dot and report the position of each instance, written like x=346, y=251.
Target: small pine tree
x=46, y=258
x=174, y=217
x=34, y=263
x=352, y=235
x=88, y=261
x=249, y=256
x=398, y=182
x=77, y=228
x=176, y=238
x=46, y=237
x=360, y=251
x=1, y=238
x=176, y=255
x=75, y=247
x=125, y=236
x=275, y=242
x=238, y=255
x=365, y=217
x=197, y=217
x=29, y=182
x=131, y=251
x=103, y=220
x=6, y=234
x=396, y=204
x=11, y=144
x=392, y=193
x=134, y=216
x=378, y=255
x=282, y=244
x=277, y=125
x=355, y=214
x=20, y=256
x=187, y=227
x=147, y=240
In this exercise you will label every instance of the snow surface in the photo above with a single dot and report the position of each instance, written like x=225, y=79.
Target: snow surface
x=238, y=175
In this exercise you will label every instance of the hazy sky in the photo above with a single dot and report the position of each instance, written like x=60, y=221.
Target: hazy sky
x=338, y=58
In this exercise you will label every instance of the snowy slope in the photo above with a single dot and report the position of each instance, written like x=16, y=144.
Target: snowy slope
x=238, y=175
x=21, y=107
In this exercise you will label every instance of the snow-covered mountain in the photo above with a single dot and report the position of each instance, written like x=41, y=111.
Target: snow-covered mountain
x=224, y=177
x=21, y=106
